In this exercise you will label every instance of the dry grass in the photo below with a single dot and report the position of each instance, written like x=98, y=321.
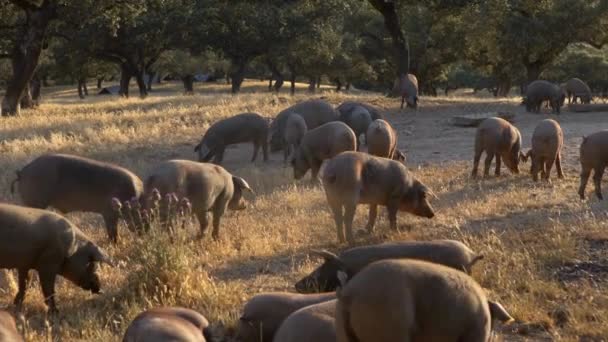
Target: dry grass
x=536, y=237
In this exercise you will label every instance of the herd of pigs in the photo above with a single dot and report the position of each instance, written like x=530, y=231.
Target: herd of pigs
x=403, y=291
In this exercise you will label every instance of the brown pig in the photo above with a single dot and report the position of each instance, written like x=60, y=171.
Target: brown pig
x=263, y=314
x=312, y=323
x=547, y=142
x=498, y=138
x=320, y=144
x=168, y=324
x=295, y=128
x=594, y=156
x=381, y=140
x=413, y=300
x=246, y=127
x=351, y=178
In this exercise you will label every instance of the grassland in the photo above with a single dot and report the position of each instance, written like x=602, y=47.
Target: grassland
x=546, y=251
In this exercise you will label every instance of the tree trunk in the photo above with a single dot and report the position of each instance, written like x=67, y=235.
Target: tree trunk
x=292, y=79
x=319, y=82
x=45, y=81
x=391, y=22
x=99, y=82
x=26, y=54
x=503, y=87
x=533, y=71
x=151, y=75
x=26, y=99
x=238, y=75
x=188, y=81
x=84, y=87
x=312, y=82
x=277, y=75
x=81, y=89
x=141, y=84
x=270, y=84
x=125, y=79
x=338, y=84
x=347, y=88
x=35, y=88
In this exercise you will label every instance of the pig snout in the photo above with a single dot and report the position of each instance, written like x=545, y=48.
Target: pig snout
x=425, y=210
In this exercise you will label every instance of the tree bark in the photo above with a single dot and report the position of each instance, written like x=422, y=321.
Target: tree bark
x=238, y=75
x=347, y=88
x=338, y=84
x=35, y=88
x=319, y=82
x=125, y=79
x=81, y=94
x=26, y=54
x=141, y=84
x=26, y=99
x=188, y=81
x=84, y=87
x=312, y=84
x=292, y=79
x=99, y=82
x=270, y=84
x=391, y=22
x=151, y=75
x=503, y=87
x=533, y=71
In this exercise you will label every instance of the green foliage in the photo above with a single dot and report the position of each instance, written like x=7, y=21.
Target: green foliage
x=584, y=62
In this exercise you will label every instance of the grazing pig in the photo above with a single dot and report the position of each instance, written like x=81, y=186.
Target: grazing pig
x=347, y=106
x=294, y=132
x=36, y=239
x=319, y=144
x=381, y=141
x=358, y=119
x=539, y=91
x=498, y=138
x=208, y=187
x=324, y=278
x=71, y=183
x=168, y=324
x=263, y=314
x=314, y=323
x=353, y=177
x=406, y=86
x=314, y=112
x=594, y=156
x=577, y=89
x=241, y=128
x=412, y=300
x=8, y=328
x=547, y=142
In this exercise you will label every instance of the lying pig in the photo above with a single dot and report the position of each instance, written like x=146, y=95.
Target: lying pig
x=36, y=239
x=312, y=323
x=295, y=128
x=168, y=324
x=319, y=144
x=498, y=138
x=324, y=278
x=547, y=142
x=8, y=328
x=353, y=177
x=381, y=140
x=263, y=314
x=594, y=156
x=412, y=300
x=208, y=187
x=241, y=128
x=70, y=183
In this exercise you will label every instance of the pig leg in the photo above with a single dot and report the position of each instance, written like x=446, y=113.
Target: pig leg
x=476, y=162
x=349, y=215
x=219, y=155
x=585, y=173
x=488, y=162
x=111, y=221
x=218, y=212
x=47, y=282
x=597, y=180
x=24, y=279
x=548, y=166
x=373, y=213
x=314, y=169
x=558, y=166
x=402, y=101
x=203, y=221
x=497, y=170
x=264, y=144
x=392, y=207
x=256, y=149
x=336, y=209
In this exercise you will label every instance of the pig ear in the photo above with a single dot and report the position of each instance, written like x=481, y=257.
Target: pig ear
x=197, y=147
x=426, y=190
x=327, y=255
x=96, y=254
x=240, y=182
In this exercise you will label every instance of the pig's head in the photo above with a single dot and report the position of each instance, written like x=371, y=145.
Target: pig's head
x=399, y=156
x=237, y=202
x=535, y=165
x=205, y=147
x=416, y=200
x=325, y=277
x=300, y=162
x=81, y=267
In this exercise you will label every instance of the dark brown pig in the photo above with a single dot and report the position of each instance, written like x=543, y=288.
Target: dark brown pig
x=500, y=140
x=241, y=128
x=168, y=324
x=352, y=178
x=71, y=183
x=594, y=156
